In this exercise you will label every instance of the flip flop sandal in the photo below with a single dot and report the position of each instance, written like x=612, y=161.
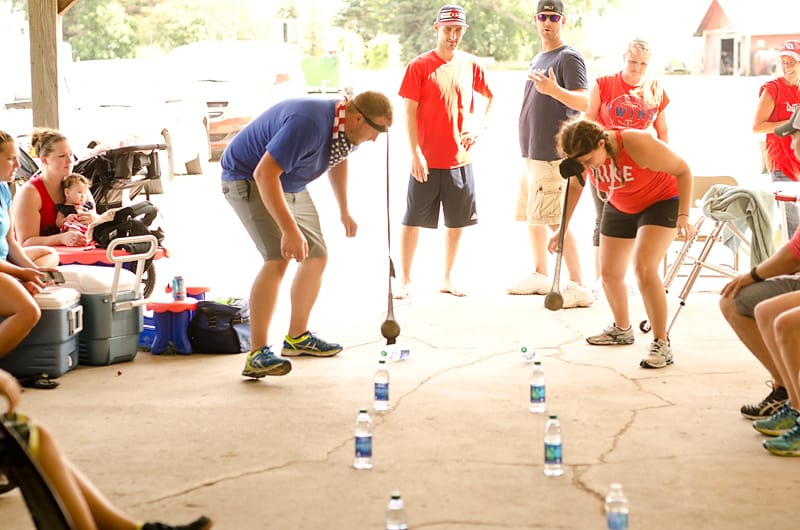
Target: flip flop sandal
x=42, y=383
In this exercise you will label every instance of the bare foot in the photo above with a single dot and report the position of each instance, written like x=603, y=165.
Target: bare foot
x=402, y=293
x=449, y=288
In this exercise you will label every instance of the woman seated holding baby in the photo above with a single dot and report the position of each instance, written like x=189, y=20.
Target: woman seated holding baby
x=35, y=210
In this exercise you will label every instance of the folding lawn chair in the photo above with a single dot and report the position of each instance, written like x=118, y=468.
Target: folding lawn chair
x=18, y=470
x=728, y=206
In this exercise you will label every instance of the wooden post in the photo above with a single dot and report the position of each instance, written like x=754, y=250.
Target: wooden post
x=45, y=34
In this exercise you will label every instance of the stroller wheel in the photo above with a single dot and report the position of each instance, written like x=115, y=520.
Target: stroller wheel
x=148, y=277
x=644, y=325
x=149, y=280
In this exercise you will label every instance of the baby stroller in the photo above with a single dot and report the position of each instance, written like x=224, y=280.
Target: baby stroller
x=120, y=174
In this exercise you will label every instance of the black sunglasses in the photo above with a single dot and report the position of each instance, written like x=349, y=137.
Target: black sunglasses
x=379, y=128
x=541, y=17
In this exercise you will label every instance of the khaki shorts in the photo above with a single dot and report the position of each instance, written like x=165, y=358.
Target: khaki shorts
x=541, y=193
x=245, y=200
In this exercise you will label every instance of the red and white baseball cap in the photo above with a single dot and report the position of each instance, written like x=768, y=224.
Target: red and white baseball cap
x=452, y=15
x=790, y=48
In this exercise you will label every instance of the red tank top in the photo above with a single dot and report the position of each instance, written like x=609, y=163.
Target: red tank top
x=47, y=214
x=632, y=188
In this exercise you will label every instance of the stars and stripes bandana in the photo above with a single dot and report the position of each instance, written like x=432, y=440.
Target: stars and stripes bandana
x=340, y=147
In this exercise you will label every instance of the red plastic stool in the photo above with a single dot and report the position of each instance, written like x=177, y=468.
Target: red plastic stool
x=172, y=324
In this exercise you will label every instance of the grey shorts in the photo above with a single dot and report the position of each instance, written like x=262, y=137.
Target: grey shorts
x=243, y=197
x=749, y=297
x=541, y=193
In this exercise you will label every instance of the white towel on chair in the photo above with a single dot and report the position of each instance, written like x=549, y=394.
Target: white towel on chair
x=744, y=209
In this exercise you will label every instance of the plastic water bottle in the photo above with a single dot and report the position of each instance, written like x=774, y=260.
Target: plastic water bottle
x=363, y=439
x=393, y=352
x=537, y=388
x=553, y=466
x=381, y=387
x=527, y=352
x=616, y=508
x=396, y=513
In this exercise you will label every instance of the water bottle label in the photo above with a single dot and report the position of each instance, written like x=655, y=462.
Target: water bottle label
x=363, y=446
x=617, y=521
x=381, y=391
x=552, y=453
x=537, y=394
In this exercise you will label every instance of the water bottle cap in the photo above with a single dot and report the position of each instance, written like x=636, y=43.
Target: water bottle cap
x=382, y=361
x=384, y=353
x=362, y=410
x=524, y=349
x=553, y=416
x=537, y=363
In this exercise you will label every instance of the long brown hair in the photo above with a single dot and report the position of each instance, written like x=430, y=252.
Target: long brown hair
x=579, y=137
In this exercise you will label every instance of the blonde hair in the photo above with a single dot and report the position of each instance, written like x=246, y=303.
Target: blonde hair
x=43, y=141
x=652, y=91
x=72, y=179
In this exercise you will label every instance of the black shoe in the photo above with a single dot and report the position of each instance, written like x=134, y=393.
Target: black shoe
x=203, y=523
x=41, y=382
x=768, y=406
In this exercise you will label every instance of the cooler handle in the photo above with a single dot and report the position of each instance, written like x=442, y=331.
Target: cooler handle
x=75, y=319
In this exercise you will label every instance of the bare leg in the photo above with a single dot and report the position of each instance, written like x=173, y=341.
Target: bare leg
x=409, y=236
x=615, y=256
x=746, y=329
x=42, y=256
x=787, y=335
x=305, y=289
x=537, y=237
x=452, y=240
x=772, y=317
x=651, y=245
x=87, y=507
x=264, y=299
x=21, y=312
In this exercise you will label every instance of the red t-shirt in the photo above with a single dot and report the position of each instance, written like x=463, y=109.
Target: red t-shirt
x=780, y=156
x=444, y=92
x=641, y=188
x=47, y=214
x=625, y=105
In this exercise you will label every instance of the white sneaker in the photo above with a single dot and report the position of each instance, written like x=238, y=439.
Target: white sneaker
x=536, y=283
x=576, y=295
x=659, y=355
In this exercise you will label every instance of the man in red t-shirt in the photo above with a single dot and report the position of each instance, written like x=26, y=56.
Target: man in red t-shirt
x=438, y=89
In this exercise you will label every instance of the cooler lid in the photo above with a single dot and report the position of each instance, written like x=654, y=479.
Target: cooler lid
x=57, y=297
x=94, y=279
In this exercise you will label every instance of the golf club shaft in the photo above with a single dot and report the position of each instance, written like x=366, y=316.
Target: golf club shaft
x=557, y=274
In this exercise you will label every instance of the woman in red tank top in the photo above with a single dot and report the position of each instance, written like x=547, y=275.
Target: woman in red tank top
x=35, y=202
x=648, y=190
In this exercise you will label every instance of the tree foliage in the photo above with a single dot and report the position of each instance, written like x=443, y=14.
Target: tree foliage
x=503, y=29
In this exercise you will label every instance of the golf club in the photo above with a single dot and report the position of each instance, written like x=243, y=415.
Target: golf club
x=390, y=329
x=569, y=167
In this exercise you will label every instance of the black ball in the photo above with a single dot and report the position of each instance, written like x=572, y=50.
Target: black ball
x=390, y=329
x=553, y=301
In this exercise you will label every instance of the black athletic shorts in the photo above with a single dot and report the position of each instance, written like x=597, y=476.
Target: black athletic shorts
x=625, y=225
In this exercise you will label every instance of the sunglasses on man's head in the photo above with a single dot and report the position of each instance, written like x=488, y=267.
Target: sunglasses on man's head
x=541, y=17
x=379, y=128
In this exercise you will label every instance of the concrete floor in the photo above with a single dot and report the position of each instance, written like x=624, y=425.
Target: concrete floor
x=171, y=437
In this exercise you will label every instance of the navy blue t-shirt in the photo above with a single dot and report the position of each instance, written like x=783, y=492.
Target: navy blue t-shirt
x=297, y=133
x=541, y=116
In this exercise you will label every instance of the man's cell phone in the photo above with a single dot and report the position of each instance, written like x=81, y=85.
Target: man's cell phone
x=53, y=276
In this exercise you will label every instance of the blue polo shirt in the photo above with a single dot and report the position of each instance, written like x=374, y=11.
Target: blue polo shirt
x=296, y=132
x=5, y=223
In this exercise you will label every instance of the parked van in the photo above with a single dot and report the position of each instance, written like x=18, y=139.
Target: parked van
x=238, y=80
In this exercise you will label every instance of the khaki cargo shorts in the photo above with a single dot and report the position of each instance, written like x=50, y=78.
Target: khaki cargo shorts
x=541, y=193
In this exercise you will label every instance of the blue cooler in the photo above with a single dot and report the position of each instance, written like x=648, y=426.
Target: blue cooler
x=111, y=328
x=51, y=348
